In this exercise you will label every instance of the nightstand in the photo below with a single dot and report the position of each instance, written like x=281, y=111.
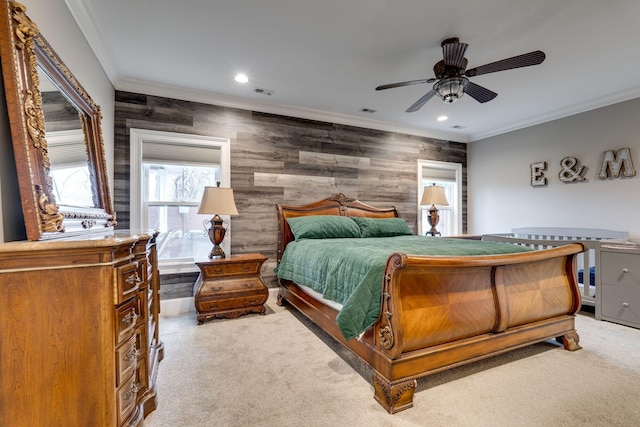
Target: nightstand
x=618, y=293
x=230, y=287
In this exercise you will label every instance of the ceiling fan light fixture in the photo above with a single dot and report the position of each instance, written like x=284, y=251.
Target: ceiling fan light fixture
x=450, y=89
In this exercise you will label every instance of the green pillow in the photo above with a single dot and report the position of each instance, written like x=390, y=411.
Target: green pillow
x=382, y=227
x=323, y=227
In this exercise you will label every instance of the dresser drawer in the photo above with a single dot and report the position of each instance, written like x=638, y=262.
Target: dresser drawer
x=126, y=399
x=232, y=269
x=128, y=281
x=126, y=358
x=142, y=375
x=621, y=303
x=620, y=268
x=143, y=272
x=126, y=319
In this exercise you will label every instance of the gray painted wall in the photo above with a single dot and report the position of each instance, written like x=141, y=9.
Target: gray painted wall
x=500, y=197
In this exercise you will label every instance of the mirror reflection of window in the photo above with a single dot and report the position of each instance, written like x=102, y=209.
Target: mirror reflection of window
x=71, y=186
x=70, y=174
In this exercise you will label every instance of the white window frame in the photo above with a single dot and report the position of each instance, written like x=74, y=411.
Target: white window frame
x=456, y=204
x=137, y=220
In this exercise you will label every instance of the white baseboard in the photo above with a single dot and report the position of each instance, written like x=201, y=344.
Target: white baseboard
x=176, y=306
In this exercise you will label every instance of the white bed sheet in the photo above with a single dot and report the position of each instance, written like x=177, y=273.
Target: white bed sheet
x=318, y=296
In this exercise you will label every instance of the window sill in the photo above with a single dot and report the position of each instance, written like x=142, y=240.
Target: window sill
x=177, y=267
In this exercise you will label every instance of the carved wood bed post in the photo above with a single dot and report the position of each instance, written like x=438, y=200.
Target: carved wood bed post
x=394, y=397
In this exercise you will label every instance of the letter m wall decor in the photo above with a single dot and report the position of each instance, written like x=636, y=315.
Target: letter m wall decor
x=614, y=163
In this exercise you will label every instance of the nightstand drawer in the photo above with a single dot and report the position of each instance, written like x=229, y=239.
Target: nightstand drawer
x=231, y=269
x=621, y=303
x=620, y=269
x=232, y=293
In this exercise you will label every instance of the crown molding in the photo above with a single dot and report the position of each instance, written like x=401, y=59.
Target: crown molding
x=583, y=107
x=223, y=100
x=82, y=15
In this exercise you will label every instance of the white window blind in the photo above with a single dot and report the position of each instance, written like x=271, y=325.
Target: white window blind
x=161, y=152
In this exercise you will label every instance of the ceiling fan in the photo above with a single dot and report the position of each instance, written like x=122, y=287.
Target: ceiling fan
x=452, y=75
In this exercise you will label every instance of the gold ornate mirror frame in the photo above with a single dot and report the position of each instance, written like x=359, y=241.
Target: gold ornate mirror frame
x=24, y=52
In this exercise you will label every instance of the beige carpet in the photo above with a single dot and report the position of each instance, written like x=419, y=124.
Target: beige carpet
x=279, y=370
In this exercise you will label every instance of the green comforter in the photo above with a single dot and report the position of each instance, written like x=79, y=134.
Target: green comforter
x=349, y=271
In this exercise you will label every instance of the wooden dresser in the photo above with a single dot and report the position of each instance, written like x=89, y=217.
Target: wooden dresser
x=79, y=331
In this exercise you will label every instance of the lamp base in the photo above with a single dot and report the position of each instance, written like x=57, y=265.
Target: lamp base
x=433, y=218
x=217, y=252
x=216, y=235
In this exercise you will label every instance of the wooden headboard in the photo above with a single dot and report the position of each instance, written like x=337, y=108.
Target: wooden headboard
x=335, y=205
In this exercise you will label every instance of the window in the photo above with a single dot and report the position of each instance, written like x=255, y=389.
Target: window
x=449, y=176
x=168, y=174
x=170, y=202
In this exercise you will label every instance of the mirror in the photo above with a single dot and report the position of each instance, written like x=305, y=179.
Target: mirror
x=57, y=138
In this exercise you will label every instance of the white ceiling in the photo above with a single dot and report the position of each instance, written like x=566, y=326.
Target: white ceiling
x=323, y=58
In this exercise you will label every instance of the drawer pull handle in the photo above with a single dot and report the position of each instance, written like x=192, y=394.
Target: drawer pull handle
x=625, y=304
x=132, y=390
x=130, y=317
x=625, y=270
x=218, y=270
x=134, y=278
x=245, y=269
x=131, y=355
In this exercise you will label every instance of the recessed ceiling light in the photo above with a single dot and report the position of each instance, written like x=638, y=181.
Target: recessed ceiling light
x=443, y=118
x=242, y=78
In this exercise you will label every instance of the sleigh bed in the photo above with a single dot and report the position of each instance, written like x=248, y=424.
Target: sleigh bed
x=437, y=311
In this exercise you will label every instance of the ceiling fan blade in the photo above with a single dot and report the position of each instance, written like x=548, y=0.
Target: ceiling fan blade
x=409, y=83
x=524, y=60
x=479, y=93
x=453, y=52
x=420, y=102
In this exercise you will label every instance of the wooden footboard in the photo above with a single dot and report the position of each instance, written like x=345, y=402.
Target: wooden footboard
x=441, y=312
x=434, y=300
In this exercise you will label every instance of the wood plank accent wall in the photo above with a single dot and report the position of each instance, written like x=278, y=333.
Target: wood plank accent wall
x=279, y=159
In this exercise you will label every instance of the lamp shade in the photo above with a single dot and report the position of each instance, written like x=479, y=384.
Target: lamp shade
x=434, y=195
x=216, y=200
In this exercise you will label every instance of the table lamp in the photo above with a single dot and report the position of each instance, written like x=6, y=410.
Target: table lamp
x=434, y=195
x=217, y=201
